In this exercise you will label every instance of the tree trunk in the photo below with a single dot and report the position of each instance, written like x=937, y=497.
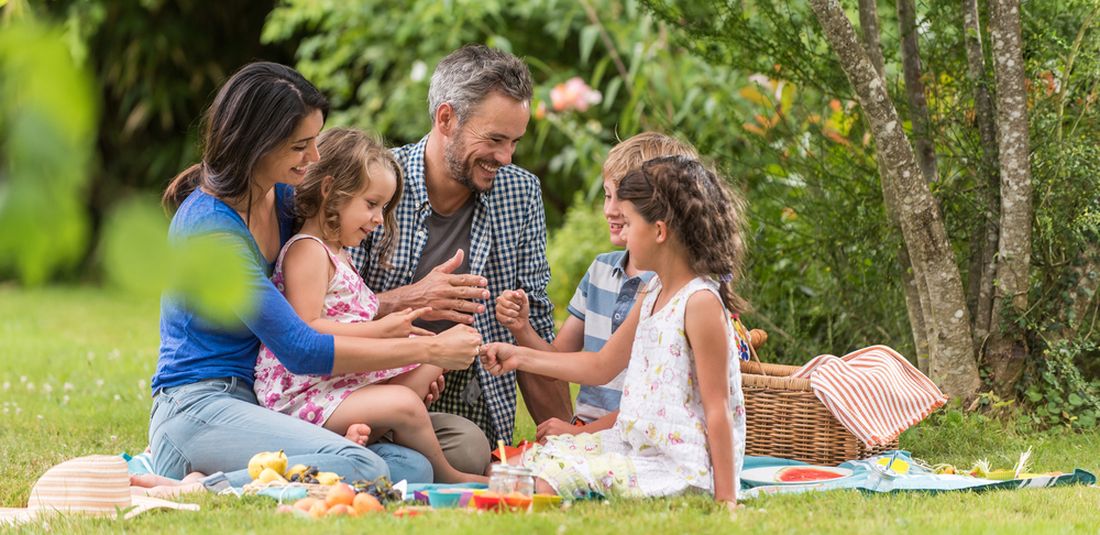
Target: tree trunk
x=914, y=90
x=1007, y=348
x=868, y=23
x=983, y=243
x=952, y=364
x=915, y=300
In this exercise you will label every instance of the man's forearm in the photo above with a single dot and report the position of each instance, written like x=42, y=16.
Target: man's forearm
x=396, y=299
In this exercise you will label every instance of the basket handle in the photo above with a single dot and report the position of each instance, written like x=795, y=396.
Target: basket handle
x=756, y=338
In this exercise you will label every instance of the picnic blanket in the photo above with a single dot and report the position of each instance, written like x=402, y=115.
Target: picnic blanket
x=873, y=392
x=868, y=476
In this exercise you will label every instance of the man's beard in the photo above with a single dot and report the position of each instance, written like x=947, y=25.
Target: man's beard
x=462, y=172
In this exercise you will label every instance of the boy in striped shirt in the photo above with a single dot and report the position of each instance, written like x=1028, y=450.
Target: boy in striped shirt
x=604, y=297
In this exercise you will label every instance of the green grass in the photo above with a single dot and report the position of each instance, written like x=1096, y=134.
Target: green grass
x=74, y=381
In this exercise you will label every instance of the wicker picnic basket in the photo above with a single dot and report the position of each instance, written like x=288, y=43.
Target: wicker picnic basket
x=784, y=418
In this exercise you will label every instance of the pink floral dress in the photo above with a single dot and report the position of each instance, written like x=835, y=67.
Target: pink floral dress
x=313, y=398
x=658, y=446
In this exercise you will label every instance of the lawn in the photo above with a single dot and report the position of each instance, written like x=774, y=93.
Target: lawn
x=74, y=381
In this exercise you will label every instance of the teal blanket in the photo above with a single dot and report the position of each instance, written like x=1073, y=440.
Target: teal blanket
x=870, y=477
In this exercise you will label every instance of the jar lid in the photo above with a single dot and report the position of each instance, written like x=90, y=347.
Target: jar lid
x=512, y=470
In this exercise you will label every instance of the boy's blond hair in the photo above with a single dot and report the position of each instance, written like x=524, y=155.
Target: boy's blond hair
x=636, y=150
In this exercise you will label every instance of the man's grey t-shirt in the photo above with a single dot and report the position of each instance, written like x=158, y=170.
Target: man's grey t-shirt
x=446, y=234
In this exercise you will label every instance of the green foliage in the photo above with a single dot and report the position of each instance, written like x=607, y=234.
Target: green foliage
x=47, y=138
x=1059, y=394
x=374, y=58
x=46, y=119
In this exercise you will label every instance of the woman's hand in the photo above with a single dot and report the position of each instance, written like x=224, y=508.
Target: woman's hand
x=456, y=348
x=400, y=324
x=499, y=358
x=513, y=310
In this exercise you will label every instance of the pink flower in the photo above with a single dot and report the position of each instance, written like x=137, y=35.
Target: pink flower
x=311, y=413
x=272, y=399
x=574, y=94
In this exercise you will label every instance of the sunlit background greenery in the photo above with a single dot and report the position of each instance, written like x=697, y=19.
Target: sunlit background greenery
x=102, y=101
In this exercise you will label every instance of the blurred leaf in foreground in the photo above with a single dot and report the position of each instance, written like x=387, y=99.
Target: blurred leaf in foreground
x=208, y=270
x=46, y=120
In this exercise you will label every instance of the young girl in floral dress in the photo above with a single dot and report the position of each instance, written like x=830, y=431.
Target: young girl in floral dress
x=681, y=425
x=352, y=190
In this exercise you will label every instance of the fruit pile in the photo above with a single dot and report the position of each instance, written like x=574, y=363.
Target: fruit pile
x=341, y=500
x=269, y=467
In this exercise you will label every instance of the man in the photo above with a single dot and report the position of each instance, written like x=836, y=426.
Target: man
x=471, y=227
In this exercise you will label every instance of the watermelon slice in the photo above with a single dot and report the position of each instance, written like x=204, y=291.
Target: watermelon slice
x=800, y=474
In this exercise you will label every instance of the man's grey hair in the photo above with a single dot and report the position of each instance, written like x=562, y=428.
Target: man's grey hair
x=467, y=75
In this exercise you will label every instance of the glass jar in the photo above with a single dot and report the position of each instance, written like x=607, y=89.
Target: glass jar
x=501, y=479
x=524, y=481
x=515, y=485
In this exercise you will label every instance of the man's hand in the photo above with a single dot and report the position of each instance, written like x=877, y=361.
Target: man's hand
x=434, y=390
x=456, y=348
x=498, y=358
x=451, y=297
x=513, y=310
x=555, y=426
x=400, y=324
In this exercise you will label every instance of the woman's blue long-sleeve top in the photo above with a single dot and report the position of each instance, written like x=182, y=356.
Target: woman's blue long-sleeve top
x=193, y=348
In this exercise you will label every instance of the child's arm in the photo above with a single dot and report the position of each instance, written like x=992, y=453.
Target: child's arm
x=582, y=367
x=307, y=271
x=555, y=426
x=705, y=327
x=513, y=313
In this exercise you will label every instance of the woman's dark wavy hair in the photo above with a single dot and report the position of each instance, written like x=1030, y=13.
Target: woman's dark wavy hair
x=256, y=110
x=704, y=213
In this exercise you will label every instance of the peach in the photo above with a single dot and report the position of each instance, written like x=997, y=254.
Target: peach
x=340, y=494
x=340, y=510
x=365, y=503
x=318, y=509
x=305, y=504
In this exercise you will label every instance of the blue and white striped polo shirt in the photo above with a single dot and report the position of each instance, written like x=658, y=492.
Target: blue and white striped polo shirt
x=602, y=301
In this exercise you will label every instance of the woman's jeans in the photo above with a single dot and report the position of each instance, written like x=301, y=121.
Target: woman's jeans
x=217, y=425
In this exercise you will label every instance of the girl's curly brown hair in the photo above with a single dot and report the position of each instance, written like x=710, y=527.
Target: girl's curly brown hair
x=706, y=215
x=347, y=155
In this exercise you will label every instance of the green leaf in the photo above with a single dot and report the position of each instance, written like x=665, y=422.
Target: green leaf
x=588, y=41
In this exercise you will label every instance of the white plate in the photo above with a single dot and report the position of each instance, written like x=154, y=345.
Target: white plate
x=769, y=475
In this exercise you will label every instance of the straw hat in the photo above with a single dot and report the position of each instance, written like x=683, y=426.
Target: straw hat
x=96, y=485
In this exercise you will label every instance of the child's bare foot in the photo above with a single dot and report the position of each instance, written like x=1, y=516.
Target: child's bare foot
x=165, y=487
x=358, y=433
x=149, y=481
x=168, y=491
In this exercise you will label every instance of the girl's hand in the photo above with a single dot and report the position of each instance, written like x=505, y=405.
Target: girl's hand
x=434, y=389
x=555, y=426
x=499, y=358
x=513, y=310
x=400, y=324
x=456, y=348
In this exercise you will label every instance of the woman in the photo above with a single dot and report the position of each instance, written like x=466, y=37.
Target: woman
x=259, y=138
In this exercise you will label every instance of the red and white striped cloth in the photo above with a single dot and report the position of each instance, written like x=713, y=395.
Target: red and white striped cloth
x=874, y=392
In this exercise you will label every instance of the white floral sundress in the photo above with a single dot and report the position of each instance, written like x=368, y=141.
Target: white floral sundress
x=313, y=398
x=658, y=445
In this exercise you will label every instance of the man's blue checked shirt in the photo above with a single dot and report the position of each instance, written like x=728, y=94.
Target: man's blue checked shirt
x=508, y=248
